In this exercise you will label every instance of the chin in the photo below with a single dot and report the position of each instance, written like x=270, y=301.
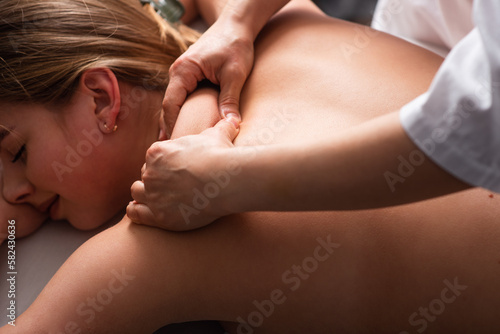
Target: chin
x=92, y=221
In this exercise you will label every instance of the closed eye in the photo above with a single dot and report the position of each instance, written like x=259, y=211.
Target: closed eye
x=19, y=153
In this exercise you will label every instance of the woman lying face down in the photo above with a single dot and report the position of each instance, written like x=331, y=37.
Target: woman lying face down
x=78, y=116
x=73, y=166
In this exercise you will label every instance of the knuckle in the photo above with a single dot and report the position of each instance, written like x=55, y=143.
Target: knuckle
x=238, y=69
x=167, y=104
x=147, y=178
x=229, y=102
x=134, y=214
x=154, y=151
x=178, y=64
x=131, y=213
x=183, y=65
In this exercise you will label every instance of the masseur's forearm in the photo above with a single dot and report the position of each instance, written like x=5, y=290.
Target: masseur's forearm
x=372, y=165
x=250, y=14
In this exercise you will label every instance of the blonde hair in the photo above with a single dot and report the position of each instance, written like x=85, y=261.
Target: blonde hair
x=45, y=45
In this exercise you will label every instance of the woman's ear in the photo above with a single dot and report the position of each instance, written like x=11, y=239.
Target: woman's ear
x=102, y=85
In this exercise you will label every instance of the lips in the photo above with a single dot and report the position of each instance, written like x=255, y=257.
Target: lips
x=54, y=209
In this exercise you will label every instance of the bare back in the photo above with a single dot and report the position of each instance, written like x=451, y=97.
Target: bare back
x=315, y=76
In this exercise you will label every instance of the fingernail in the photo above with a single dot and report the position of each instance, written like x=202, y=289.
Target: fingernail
x=231, y=114
x=233, y=118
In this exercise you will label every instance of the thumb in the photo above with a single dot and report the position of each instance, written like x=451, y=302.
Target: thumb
x=228, y=127
x=229, y=98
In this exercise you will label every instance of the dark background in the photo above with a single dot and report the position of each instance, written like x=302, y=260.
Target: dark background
x=360, y=11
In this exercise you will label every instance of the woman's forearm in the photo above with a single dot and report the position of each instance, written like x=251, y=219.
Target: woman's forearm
x=372, y=165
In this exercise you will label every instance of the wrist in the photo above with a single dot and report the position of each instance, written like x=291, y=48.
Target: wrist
x=251, y=15
x=235, y=29
x=239, y=25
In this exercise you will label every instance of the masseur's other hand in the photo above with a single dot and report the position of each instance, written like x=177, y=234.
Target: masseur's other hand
x=224, y=55
x=185, y=182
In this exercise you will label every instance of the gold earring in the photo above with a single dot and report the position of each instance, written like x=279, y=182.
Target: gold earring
x=106, y=127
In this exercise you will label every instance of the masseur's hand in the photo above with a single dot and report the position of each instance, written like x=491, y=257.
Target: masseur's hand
x=185, y=181
x=224, y=55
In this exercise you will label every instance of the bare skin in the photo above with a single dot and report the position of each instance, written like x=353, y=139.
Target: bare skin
x=373, y=269
x=27, y=218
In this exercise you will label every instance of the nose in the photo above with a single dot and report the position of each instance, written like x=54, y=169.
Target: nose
x=16, y=188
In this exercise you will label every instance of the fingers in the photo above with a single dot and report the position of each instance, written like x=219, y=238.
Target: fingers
x=137, y=211
x=233, y=74
x=227, y=127
x=184, y=76
x=138, y=192
x=140, y=213
x=170, y=175
x=232, y=82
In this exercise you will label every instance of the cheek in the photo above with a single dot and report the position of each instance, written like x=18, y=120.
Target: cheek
x=93, y=187
x=39, y=169
x=92, y=178
x=73, y=166
x=52, y=169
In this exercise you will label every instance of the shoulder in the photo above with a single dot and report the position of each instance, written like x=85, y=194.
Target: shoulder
x=199, y=112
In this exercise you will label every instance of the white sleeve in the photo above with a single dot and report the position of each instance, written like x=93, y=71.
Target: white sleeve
x=457, y=122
